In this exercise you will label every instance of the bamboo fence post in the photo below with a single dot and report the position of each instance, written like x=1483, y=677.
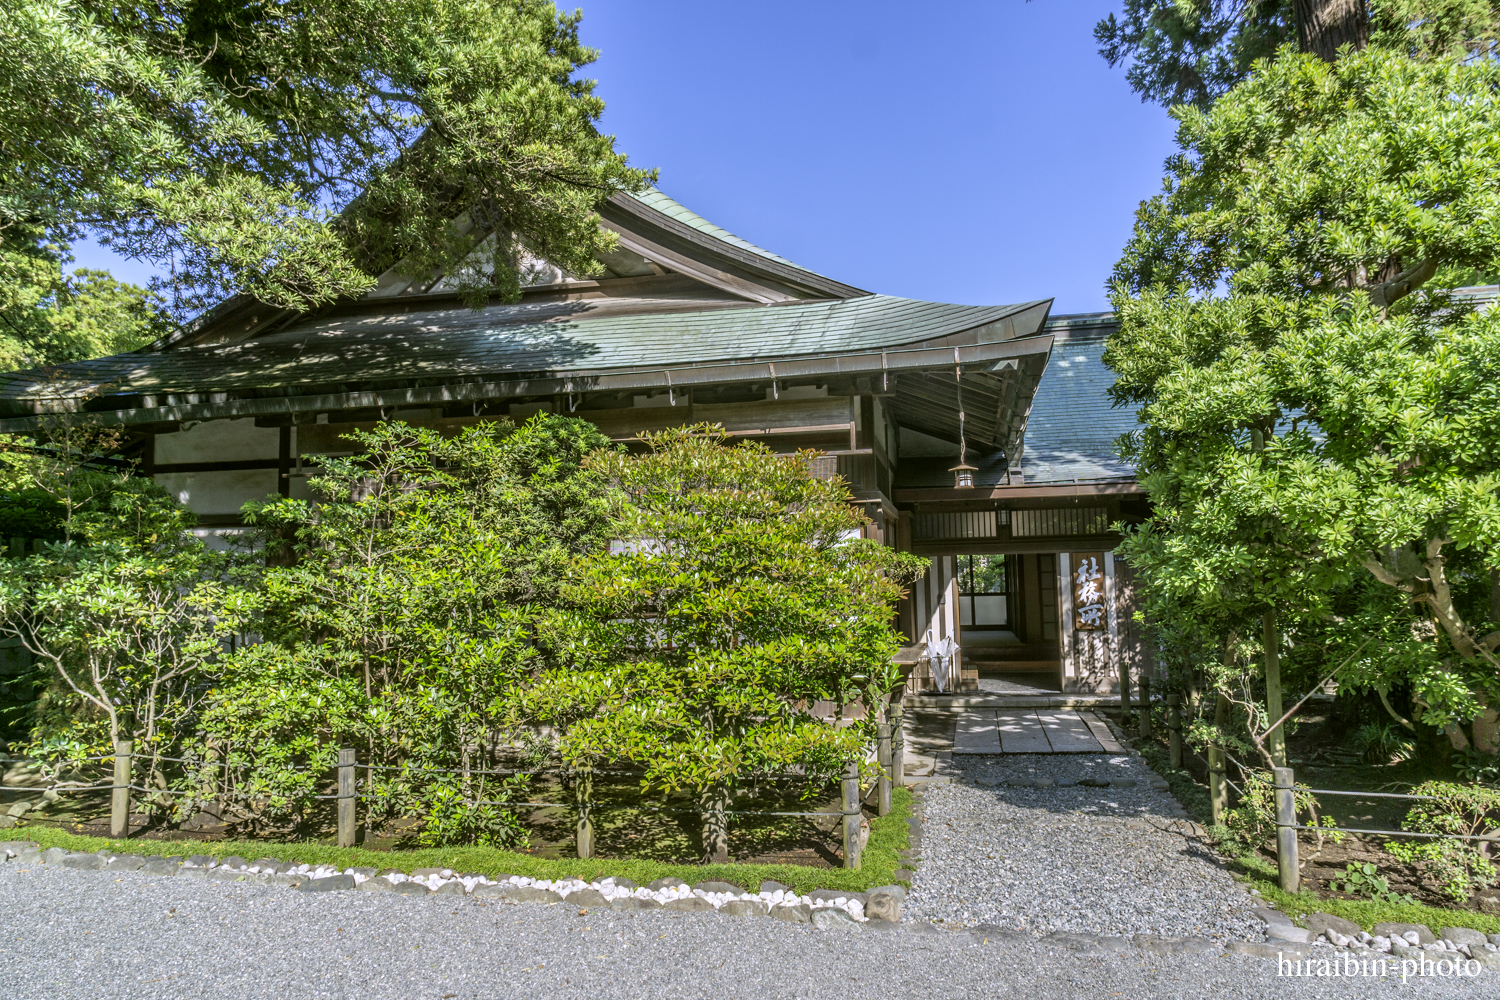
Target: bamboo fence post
x=346, y=797
x=119, y=797
x=851, y=815
x=1286, y=830
x=1145, y=720
x=584, y=790
x=898, y=744
x=1174, y=730
x=883, y=731
x=1217, y=798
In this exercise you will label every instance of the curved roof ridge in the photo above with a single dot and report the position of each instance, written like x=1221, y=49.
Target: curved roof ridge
x=656, y=199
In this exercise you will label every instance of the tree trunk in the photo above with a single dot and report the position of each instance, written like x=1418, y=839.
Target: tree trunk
x=1271, y=637
x=1325, y=25
x=714, y=801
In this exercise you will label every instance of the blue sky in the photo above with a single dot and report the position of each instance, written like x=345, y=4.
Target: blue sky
x=964, y=152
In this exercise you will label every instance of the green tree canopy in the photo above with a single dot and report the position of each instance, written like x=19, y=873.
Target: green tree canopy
x=1316, y=404
x=1193, y=51
x=295, y=150
x=49, y=316
x=402, y=600
x=737, y=596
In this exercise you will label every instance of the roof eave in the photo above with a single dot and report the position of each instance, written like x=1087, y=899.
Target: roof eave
x=865, y=363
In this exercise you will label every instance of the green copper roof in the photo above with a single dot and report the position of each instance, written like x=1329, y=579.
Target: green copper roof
x=447, y=342
x=653, y=198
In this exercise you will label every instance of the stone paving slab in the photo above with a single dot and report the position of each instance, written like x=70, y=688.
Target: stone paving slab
x=986, y=731
x=1022, y=732
x=976, y=732
x=1067, y=732
x=1101, y=732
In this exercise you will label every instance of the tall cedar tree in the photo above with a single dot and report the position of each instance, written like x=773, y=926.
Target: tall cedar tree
x=293, y=151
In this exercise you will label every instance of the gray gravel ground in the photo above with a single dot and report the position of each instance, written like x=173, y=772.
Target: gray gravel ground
x=67, y=934
x=1069, y=857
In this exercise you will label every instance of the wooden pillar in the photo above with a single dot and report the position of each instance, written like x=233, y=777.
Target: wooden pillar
x=284, y=462
x=119, y=796
x=1112, y=617
x=852, y=815
x=346, y=797
x=584, y=797
x=898, y=743
x=1174, y=730
x=883, y=755
x=1286, y=833
x=1066, y=642
x=1145, y=705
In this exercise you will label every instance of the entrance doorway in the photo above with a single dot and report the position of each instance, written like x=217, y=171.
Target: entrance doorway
x=1008, y=610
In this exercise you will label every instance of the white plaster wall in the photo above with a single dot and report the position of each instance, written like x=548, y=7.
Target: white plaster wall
x=219, y=441
x=219, y=492
x=219, y=538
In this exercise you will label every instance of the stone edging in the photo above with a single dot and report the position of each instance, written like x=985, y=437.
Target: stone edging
x=1399, y=941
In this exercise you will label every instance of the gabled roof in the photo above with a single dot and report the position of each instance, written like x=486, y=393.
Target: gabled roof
x=682, y=303
x=657, y=237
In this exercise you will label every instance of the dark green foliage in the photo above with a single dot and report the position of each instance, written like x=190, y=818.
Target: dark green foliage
x=49, y=316
x=401, y=617
x=1364, y=880
x=1195, y=52
x=31, y=513
x=1319, y=413
x=737, y=598
x=1190, y=53
x=1461, y=865
x=295, y=151
x=1478, y=767
x=1382, y=743
x=128, y=616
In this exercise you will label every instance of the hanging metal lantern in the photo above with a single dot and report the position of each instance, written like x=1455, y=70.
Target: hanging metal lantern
x=963, y=472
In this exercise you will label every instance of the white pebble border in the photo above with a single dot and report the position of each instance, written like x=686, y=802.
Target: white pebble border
x=564, y=887
x=291, y=874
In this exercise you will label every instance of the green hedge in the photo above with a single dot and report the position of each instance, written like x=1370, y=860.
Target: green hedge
x=881, y=858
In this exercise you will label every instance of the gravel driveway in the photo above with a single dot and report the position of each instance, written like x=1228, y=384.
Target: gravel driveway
x=68, y=934
x=1069, y=857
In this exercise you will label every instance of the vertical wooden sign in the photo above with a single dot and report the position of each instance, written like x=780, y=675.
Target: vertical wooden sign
x=1089, y=611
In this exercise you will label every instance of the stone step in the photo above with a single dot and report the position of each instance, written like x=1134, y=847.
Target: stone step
x=962, y=702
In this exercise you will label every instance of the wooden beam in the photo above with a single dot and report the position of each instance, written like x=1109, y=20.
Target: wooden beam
x=991, y=547
x=243, y=466
x=1022, y=492
x=828, y=414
